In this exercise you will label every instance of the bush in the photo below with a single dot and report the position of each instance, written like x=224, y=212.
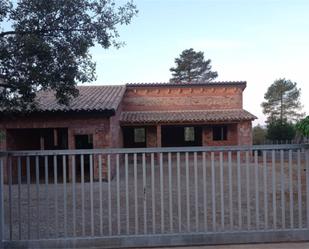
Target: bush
x=303, y=126
x=281, y=131
x=259, y=134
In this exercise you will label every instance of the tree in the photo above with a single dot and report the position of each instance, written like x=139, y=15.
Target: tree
x=192, y=67
x=282, y=101
x=303, y=126
x=280, y=131
x=44, y=45
x=259, y=134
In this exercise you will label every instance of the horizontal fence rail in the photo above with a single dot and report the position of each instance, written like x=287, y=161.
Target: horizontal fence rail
x=126, y=193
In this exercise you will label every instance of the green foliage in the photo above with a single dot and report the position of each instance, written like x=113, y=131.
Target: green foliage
x=303, y=126
x=282, y=101
x=192, y=67
x=281, y=131
x=46, y=46
x=259, y=134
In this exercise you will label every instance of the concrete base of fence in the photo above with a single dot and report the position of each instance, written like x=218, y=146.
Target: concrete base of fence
x=166, y=240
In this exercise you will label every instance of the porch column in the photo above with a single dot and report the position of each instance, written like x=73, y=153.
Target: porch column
x=71, y=146
x=4, y=147
x=159, y=142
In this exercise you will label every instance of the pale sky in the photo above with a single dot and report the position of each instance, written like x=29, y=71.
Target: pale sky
x=257, y=41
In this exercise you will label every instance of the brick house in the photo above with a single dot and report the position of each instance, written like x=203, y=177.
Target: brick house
x=134, y=115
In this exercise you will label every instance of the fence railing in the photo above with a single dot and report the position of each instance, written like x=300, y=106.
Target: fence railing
x=126, y=192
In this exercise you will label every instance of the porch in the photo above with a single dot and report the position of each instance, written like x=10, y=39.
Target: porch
x=186, y=128
x=180, y=135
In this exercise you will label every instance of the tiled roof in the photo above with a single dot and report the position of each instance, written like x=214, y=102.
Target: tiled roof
x=168, y=84
x=91, y=98
x=186, y=116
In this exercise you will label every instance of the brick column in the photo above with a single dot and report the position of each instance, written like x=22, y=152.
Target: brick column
x=3, y=147
x=71, y=146
x=159, y=142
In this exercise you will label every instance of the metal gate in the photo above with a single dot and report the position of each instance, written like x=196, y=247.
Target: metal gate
x=113, y=198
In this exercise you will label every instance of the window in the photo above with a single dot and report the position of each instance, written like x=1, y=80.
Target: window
x=139, y=135
x=219, y=132
x=189, y=134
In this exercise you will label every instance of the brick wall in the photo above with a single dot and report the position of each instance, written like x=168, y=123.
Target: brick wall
x=245, y=133
x=179, y=98
x=97, y=125
x=151, y=136
x=232, y=136
x=116, y=137
x=3, y=142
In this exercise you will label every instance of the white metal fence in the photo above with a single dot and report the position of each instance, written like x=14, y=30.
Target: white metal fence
x=154, y=196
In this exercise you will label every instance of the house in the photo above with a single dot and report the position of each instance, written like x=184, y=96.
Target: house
x=134, y=115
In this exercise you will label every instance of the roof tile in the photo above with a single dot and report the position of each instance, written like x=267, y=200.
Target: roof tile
x=186, y=116
x=91, y=98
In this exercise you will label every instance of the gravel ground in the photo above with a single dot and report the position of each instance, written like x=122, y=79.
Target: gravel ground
x=186, y=217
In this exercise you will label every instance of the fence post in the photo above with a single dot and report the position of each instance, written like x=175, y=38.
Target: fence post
x=307, y=182
x=1, y=201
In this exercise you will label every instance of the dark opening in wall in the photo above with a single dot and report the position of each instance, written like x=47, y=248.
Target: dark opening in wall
x=219, y=132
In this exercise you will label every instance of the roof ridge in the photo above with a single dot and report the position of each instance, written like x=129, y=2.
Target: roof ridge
x=201, y=110
x=188, y=84
x=176, y=83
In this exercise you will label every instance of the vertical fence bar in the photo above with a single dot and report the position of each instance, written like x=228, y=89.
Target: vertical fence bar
x=118, y=193
x=1, y=202
x=300, y=210
x=82, y=171
x=170, y=191
x=153, y=194
x=91, y=194
x=161, y=192
x=273, y=160
x=307, y=185
x=56, y=193
x=230, y=186
x=257, y=195
x=265, y=189
x=37, y=183
x=10, y=200
x=144, y=192
x=221, y=189
x=28, y=196
x=74, y=194
x=179, y=192
x=196, y=193
x=204, y=191
x=100, y=195
x=19, y=196
x=135, y=192
x=248, y=190
x=65, y=221
x=213, y=191
x=188, y=193
x=46, y=189
x=127, y=192
x=239, y=190
x=291, y=190
x=109, y=194
x=282, y=176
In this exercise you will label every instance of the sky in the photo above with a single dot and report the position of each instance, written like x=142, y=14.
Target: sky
x=258, y=41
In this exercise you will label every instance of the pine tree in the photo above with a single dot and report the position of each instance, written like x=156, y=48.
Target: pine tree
x=192, y=67
x=282, y=102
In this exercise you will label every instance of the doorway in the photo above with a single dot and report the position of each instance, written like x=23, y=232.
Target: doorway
x=83, y=142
